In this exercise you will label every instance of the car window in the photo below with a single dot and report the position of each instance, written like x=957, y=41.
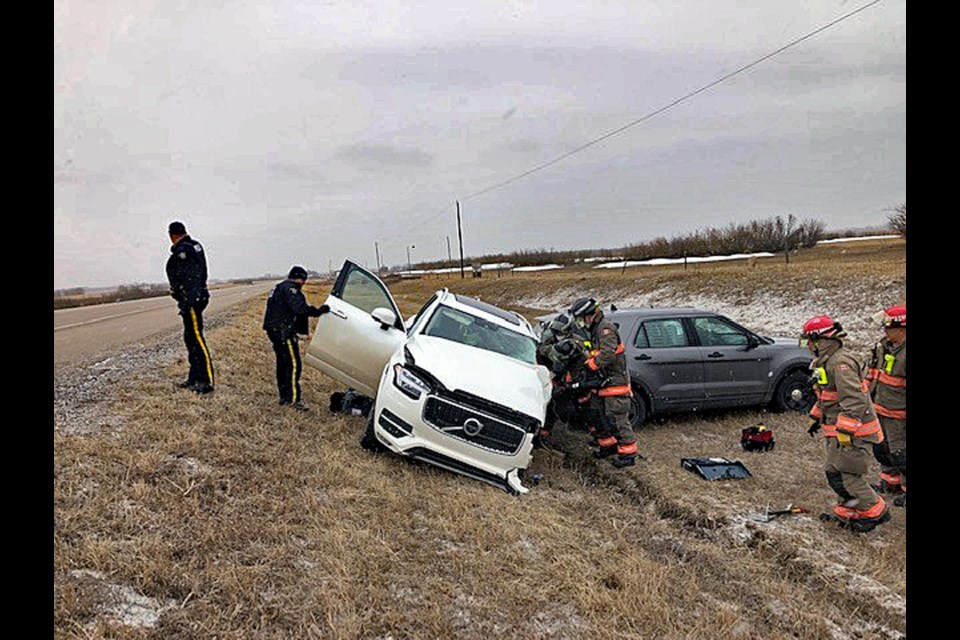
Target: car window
x=415, y=320
x=663, y=333
x=364, y=292
x=457, y=326
x=641, y=338
x=715, y=332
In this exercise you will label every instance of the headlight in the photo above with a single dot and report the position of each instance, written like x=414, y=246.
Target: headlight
x=408, y=383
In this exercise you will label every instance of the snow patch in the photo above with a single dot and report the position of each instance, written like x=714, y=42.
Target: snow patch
x=653, y=262
x=542, y=267
x=857, y=239
x=123, y=604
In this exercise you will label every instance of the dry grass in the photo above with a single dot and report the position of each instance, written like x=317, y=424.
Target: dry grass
x=239, y=520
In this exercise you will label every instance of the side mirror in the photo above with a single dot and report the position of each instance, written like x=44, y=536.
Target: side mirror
x=385, y=317
x=752, y=342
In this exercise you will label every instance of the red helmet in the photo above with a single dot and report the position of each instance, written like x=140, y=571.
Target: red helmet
x=821, y=327
x=895, y=316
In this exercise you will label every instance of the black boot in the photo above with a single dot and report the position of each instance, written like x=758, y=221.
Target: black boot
x=605, y=452
x=203, y=387
x=900, y=501
x=885, y=487
x=622, y=461
x=865, y=525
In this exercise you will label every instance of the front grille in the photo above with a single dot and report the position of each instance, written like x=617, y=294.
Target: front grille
x=394, y=425
x=504, y=414
x=452, y=419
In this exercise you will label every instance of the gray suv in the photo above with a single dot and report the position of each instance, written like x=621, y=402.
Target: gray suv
x=683, y=359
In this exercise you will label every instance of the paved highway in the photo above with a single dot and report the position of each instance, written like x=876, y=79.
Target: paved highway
x=84, y=331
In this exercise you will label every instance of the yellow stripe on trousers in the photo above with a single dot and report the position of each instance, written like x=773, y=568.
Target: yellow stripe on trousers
x=293, y=368
x=203, y=345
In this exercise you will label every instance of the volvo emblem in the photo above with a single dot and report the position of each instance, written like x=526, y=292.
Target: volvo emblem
x=472, y=427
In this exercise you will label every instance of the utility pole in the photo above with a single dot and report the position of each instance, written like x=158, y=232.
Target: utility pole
x=412, y=246
x=376, y=247
x=449, y=257
x=460, y=234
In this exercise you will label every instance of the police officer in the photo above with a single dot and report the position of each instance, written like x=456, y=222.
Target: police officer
x=187, y=274
x=285, y=317
x=611, y=401
x=850, y=426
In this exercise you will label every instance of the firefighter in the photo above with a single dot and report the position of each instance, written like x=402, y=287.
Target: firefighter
x=844, y=411
x=285, y=317
x=610, y=402
x=887, y=381
x=187, y=274
x=561, y=349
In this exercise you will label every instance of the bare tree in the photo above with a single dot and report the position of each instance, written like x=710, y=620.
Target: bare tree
x=898, y=219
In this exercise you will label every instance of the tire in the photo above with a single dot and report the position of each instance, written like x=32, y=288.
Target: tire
x=783, y=399
x=638, y=411
x=369, y=438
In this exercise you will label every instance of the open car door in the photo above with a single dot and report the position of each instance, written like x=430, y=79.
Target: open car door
x=355, y=340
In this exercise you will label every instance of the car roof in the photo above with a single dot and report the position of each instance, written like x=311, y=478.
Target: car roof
x=651, y=312
x=487, y=311
x=644, y=312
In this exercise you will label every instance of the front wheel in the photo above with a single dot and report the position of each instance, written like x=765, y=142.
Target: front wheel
x=369, y=438
x=638, y=412
x=794, y=393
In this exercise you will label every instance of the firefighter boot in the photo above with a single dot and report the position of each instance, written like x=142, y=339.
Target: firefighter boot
x=901, y=500
x=608, y=447
x=889, y=484
x=868, y=519
x=626, y=454
x=843, y=513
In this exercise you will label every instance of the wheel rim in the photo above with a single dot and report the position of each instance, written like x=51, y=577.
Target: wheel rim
x=806, y=398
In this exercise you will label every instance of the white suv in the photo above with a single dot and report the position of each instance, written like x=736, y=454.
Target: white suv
x=458, y=386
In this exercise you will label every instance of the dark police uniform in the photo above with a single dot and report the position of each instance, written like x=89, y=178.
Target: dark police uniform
x=187, y=274
x=286, y=315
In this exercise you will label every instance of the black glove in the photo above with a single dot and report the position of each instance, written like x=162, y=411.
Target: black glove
x=814, y=427
x=322, y=309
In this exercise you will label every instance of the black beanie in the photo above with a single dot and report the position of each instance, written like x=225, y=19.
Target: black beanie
x=177, y=229
x=297, y=273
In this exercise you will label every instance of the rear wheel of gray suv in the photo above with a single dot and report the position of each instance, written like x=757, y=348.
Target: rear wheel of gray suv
x=369, y=439
x=794, y=393
x=638, y=411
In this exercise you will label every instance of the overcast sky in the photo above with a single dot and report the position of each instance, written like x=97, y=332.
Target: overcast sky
x=302, y=132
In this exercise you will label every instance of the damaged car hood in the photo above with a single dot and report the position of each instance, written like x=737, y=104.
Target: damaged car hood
x=492, y=376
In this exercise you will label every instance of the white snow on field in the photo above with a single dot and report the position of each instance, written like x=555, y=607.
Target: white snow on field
x=123, y=604
x=602, y=259
x=541, y=267
x=858, y=238
x=493, y=266
x=768, y=313
x=690, y=260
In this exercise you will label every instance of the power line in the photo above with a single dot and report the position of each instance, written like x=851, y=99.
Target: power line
x=609, y=134
x=633, y=123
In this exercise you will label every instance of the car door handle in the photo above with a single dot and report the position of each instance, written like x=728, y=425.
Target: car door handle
x=339, y=314
x=642, y=356
x=715, y=354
